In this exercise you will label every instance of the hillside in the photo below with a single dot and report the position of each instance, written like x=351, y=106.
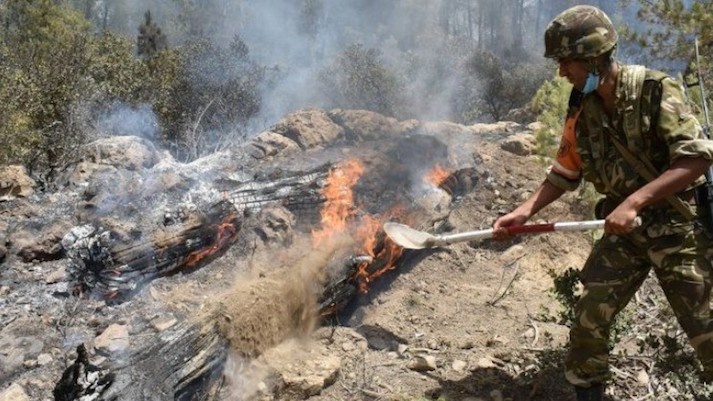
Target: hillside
x=473, y=321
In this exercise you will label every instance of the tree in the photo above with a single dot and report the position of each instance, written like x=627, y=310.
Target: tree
x=670, y=35
x=210, y=94
x=150, y=40
x=493, y=87
x=42, y=79
x=359, y=79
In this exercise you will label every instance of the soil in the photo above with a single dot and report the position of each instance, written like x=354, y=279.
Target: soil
x=471, y=321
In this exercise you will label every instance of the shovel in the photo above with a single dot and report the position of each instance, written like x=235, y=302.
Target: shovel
x=410, y=238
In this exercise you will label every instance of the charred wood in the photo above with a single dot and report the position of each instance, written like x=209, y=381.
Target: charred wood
x=102, y=265
x=105, y=266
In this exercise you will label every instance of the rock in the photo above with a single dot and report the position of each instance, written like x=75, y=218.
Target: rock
x=30, y=246
x=459, y=366
x=114, y=339
x=444, y=127
x=15, y=183
x=502, y=127
x=309, y=128
x=301, y=372
x=268, y=143
x=44, y=359
x=163, y=323
x=124, y=152
x=363, y=124
x=642, y=377
x=15, y=350
x=14, y=393
x=485, y=363
x=422, y=363
x=520, y=144
x=56, y=276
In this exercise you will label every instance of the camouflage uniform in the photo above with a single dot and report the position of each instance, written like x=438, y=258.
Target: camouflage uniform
x=679, y=251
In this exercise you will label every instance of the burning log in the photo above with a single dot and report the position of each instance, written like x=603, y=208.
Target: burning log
x=114, y=271
x=100, y=263
x=186, y=361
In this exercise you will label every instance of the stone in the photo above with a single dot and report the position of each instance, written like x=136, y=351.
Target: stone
x=422, y=363
x=14, y=393
x=113, y=340
x=15, y=183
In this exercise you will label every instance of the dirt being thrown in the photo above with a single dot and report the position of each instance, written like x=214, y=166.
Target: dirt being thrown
x=261, y=313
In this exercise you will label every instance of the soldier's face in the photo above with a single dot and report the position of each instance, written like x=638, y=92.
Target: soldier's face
x=575, y=71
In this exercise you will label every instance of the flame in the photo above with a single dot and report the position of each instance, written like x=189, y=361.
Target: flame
x=437, y=175
x=339, y=205
x=339, y=213
x=225, y=233
x=384, y=253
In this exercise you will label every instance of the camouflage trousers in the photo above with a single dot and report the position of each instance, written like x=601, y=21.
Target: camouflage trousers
x=680, y=253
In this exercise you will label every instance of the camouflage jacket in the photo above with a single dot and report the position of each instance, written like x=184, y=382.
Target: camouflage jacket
x=668, y=131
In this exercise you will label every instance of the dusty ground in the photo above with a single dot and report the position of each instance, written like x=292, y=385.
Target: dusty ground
x=473, y=321
x=466, y=322
x=474, y=308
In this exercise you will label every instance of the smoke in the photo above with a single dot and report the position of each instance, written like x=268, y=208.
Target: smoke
x=295, y=40
x=122, y=119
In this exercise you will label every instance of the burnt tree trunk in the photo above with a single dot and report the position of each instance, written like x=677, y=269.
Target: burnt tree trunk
x=186, y=361
x=104, y=265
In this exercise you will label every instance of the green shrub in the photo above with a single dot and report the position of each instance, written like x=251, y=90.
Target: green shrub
x=550, y=106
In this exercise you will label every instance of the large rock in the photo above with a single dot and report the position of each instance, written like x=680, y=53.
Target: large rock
x=363, y=124
x=14, y=183
x=521, y=144
x=124, y=152
x=14, y=393
x=308, y=128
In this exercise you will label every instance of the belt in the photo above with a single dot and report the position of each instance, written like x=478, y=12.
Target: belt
x=689, y=196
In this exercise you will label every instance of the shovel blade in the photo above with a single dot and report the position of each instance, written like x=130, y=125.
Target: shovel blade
x=407, y=237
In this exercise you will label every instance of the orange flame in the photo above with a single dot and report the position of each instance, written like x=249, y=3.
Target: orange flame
x=225, y=233
x=437, y=175
x=339, y=205
x=385, y=253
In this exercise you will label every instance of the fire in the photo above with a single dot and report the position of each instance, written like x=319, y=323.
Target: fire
x=384, y=254
x=437, y=175
x=225, y=233
x=338, y=214
x=339, y=206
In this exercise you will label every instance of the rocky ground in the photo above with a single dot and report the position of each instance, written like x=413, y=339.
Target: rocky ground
x=473, y=321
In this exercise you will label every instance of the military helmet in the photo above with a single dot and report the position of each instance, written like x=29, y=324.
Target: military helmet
x=580, y=32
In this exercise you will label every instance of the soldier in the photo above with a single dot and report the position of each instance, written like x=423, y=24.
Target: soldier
x=617, y=109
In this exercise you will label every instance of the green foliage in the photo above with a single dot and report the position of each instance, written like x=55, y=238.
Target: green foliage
x=59, y=77
x=670, y=36
x=360, y=79
x=550, y=106
x=565, y=291
x=217, y=91
x=43, y=76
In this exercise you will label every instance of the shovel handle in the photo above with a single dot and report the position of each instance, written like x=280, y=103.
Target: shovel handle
x=523, y=229
x=563, y=226
x=530, y=228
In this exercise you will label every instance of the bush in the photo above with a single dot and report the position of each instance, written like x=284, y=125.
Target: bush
x=493, y=87
x=359, y=79
x=550, y=106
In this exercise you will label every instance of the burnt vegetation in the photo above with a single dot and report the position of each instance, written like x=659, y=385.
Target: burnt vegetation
x=195, y=78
